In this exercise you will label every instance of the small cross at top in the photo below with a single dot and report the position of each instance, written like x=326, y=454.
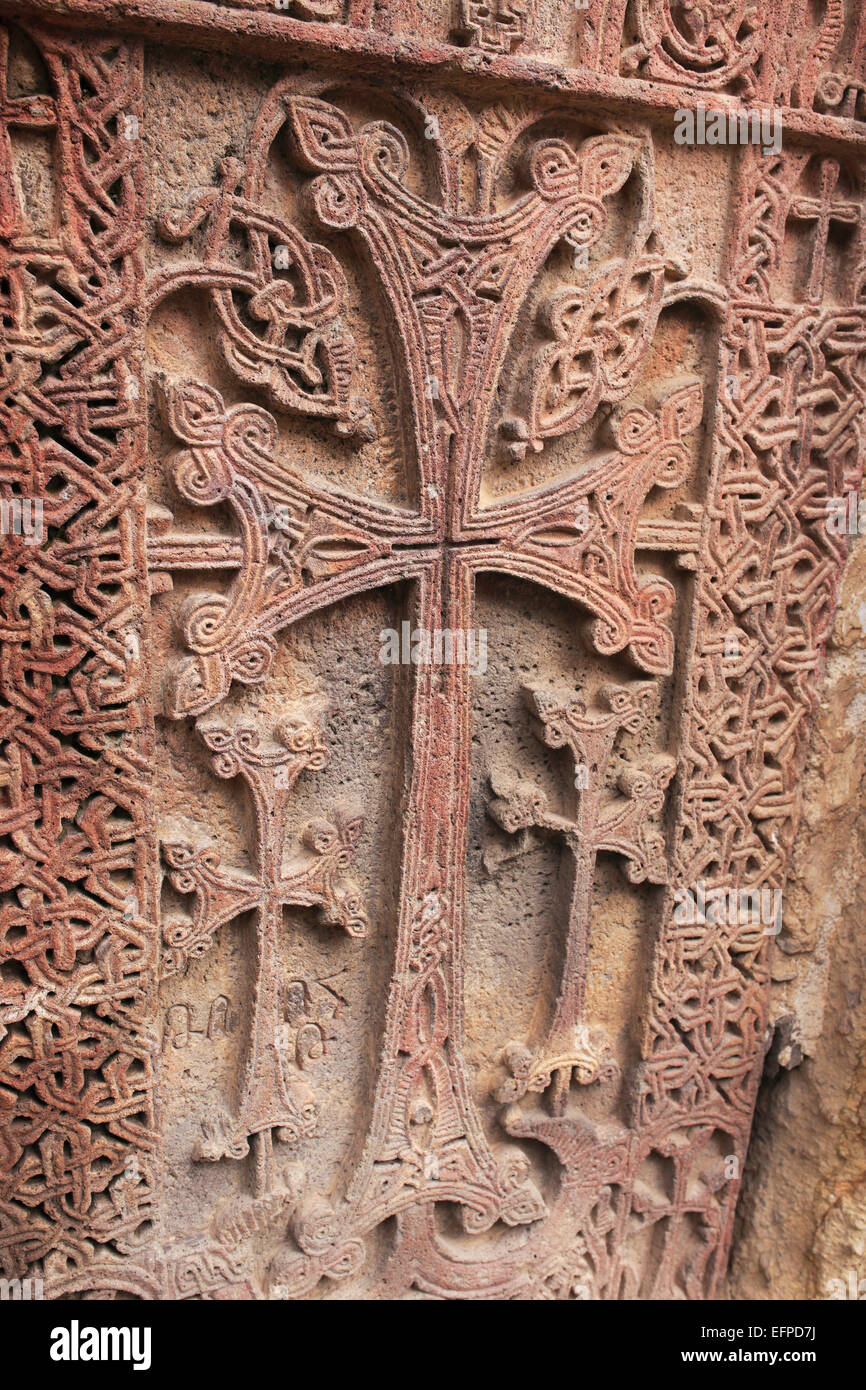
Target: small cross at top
x=824, y=212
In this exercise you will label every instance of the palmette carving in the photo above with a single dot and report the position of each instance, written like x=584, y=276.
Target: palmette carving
x=298, y=348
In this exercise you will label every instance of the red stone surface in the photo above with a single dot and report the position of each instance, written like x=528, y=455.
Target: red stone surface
x=442, y=327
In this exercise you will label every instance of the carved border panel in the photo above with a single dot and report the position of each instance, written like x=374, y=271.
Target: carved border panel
x=78, y=1131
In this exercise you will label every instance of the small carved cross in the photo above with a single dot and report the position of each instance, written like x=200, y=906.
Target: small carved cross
x=824, y=212
x=619, y=825
x=315, y=876
x=497, y=26
x=36, y=111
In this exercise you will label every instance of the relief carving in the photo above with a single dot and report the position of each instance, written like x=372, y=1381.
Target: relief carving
x=274, y=1100
x=490, y=284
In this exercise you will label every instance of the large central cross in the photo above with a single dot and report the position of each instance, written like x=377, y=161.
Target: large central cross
x=455, y=282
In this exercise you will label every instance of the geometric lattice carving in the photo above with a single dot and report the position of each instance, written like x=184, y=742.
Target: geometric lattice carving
x=77, y=943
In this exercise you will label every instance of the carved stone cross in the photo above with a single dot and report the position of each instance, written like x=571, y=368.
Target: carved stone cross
x=485, y=221
x=272, y=1100
x=497, y=26
x=619, y=825
x=36, y=112
x=823, y=211
x=455, y=276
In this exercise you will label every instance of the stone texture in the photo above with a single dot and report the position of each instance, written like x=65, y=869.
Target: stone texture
x=329, y=976
x=805, y=1171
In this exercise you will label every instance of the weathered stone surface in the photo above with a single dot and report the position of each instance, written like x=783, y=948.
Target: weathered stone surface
x=340, y=958
x=806, y=1158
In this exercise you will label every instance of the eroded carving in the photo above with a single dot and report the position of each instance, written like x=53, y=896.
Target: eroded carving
x=619, y=826
x=274, y=1098
x=496, y=27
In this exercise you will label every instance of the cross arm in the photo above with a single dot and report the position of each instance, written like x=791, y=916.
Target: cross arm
x=578, y=536
x=299, y=547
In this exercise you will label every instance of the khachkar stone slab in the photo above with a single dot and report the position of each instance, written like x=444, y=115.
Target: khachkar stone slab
x=418, y=622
